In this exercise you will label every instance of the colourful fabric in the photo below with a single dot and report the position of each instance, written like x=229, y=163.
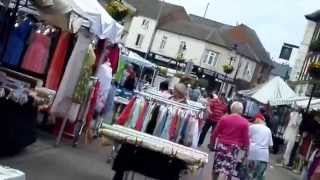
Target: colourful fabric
x=226, y=159
x=173, y=127
x=113, y=56
x=58, y=61
x=314, y=164
x=232, y=129
x=36, y=57
x=218, y=109
x=120, y=71
x=104, y=75
x=83, y=86
x=126, y=113
x=141, y=118
x=71, y=75
x=93, y=102
x=17, y=43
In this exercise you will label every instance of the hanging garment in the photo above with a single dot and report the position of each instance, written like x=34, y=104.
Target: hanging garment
x=17, y=43
x=126, y=113
x=83, y=86
x=104, y=75
x=72, y=73
x=174, y=126
x=149, y=114
x=141, y=118
x=120, y=71
x=36, y=57
x=139, y=105
x=58, y=61
x=290, y=134
x=93, y=103
x=107, y=112
x=153, y=121
x=168, y=121
x=113, y=57
x=18, y=125
x=164, y=113
x=293, y=126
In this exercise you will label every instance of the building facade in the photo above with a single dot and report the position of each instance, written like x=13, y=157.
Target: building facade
x=300, y=77
x=166, y=31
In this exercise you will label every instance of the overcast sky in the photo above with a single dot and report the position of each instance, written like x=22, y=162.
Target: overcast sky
x=275, y=21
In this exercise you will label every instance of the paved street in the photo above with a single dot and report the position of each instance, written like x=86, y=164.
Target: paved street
x=44, y=162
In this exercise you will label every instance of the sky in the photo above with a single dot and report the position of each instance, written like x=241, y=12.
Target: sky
x=275, y=21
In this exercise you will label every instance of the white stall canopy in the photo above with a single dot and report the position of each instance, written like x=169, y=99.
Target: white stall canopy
x=315, y=104
x=134, y=58
x=72, y=14
x=275, y=91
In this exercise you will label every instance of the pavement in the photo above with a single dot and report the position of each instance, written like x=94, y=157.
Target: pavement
x=43, y=161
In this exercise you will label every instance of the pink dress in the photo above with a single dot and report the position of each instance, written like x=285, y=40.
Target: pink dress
x=36, y=57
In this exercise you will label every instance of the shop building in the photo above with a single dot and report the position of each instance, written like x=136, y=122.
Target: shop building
x=300, y=76
x=166, y=31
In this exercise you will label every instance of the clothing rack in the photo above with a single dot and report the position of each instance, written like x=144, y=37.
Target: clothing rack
x=170, y=102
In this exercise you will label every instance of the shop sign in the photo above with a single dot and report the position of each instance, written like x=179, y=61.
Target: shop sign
x=161, y=58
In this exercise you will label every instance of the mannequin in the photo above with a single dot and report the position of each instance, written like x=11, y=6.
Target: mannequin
x=291, y=133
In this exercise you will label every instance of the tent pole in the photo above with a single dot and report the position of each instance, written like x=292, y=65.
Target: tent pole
x=311, y=96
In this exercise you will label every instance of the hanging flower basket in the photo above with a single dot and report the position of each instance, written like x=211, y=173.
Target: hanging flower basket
x=228, y=69
x=314, y=70
x=117, y=10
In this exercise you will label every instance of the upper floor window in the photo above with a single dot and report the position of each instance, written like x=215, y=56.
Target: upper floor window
x=211, y=58
x=163, y=42
x=183, y=46
x=145, y=24
x=139, y=40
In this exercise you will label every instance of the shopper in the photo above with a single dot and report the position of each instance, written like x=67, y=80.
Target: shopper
x=164, y=89
x=260, y=142
x=216, y=109
x=230, y=142
x=180, y=93
x=130, y=78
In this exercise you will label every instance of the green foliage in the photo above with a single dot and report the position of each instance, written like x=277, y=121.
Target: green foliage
x=228, y=68
x=117, y=10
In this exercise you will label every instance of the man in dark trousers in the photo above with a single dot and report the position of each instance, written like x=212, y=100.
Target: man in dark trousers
x=216, y=108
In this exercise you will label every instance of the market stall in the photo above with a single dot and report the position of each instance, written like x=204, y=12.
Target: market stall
x=154, y=130
x=47, y=57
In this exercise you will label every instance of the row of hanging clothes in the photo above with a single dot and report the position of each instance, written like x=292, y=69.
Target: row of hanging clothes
x=163, y=119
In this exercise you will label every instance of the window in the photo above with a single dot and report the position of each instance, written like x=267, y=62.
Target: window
x=245, y=70
x=139, y=40
x=211, y=58
x=163, y=42
x=145, y=24
x=183, y=46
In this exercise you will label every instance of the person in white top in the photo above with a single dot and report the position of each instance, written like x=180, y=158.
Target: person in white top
x=260, y=142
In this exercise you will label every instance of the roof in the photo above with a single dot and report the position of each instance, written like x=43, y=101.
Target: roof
x=175, y=19
x=151, y=8
x=281, y=70
x=275, y=91
x=315, y=16
x=246, y=38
